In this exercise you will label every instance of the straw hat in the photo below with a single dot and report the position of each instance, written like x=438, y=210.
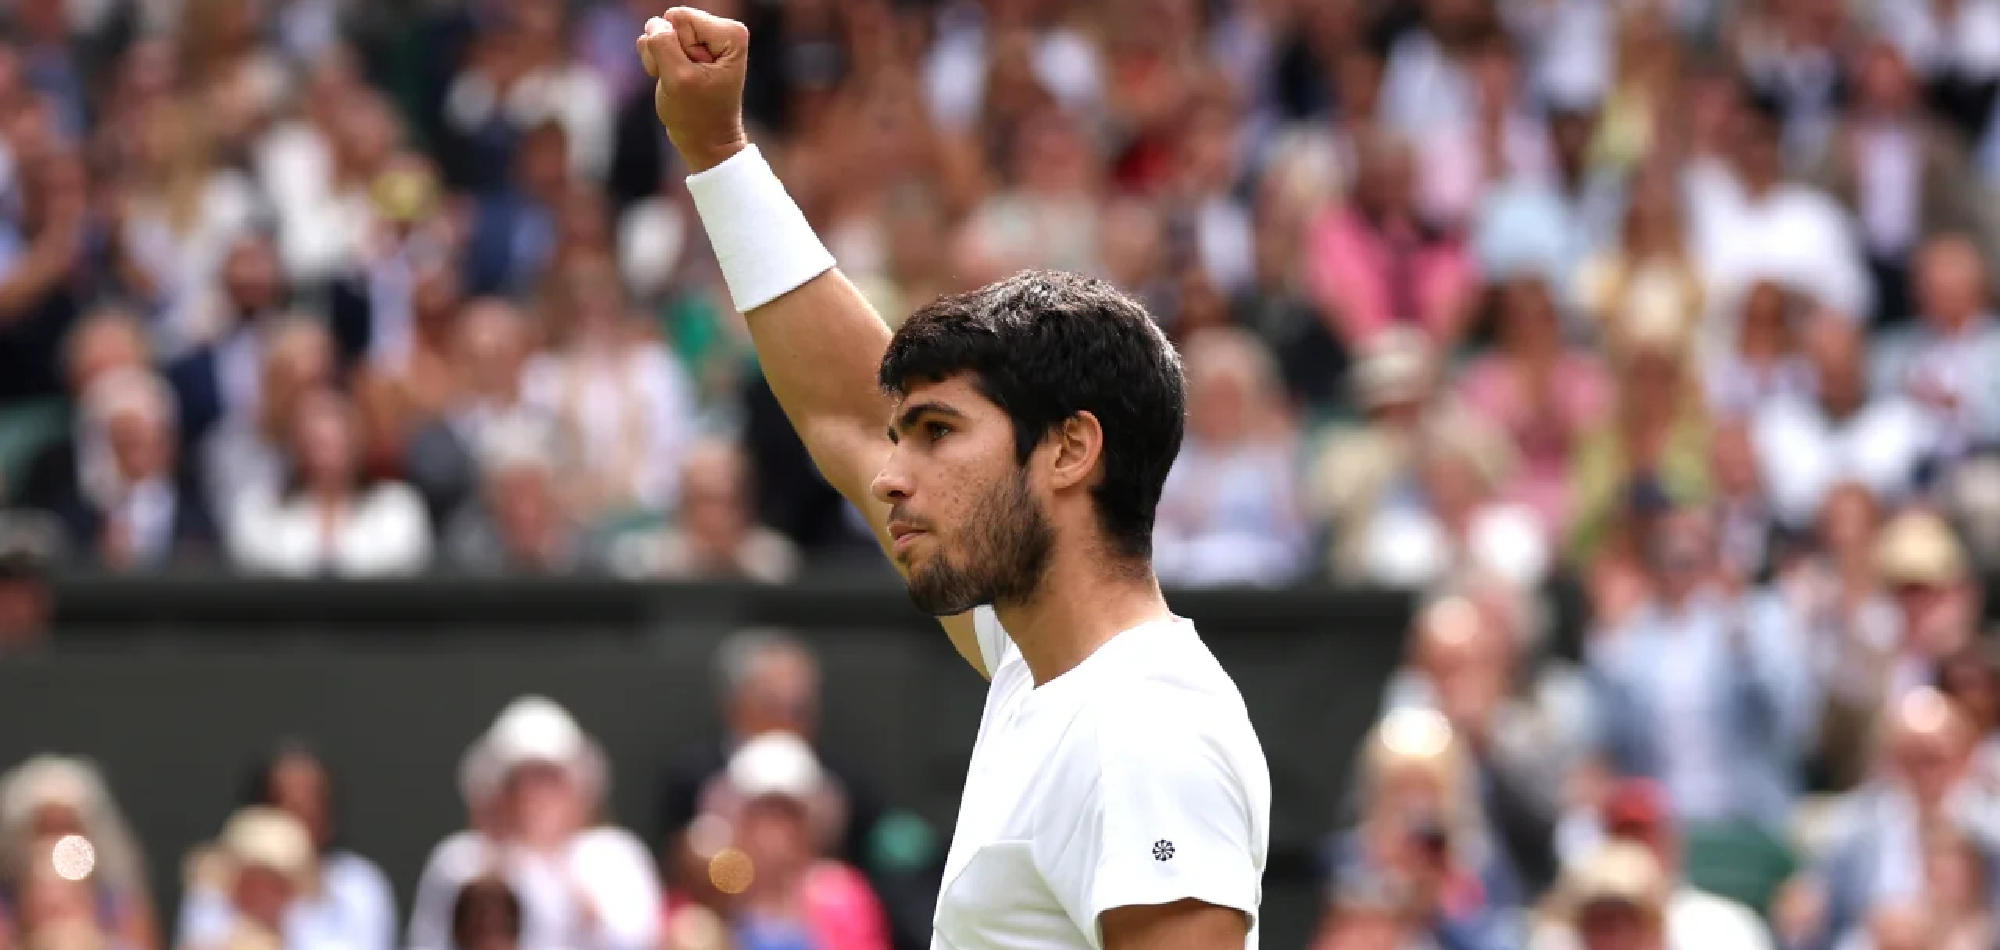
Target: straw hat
x=1917, y=547
x=1620, y=873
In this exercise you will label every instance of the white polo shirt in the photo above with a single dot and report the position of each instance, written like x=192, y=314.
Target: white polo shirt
x=1133, y=779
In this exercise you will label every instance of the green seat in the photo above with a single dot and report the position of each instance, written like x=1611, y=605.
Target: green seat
x=25, y=429
x=1740, y=861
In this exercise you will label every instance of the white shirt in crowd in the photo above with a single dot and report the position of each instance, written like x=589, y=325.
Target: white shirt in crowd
x=385, y=531
x=1795, y=235
x=353, y=910
x=607, y=865
x=1804, y=453
x=1135, y=778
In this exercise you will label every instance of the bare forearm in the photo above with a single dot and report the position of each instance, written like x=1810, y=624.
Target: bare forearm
x=820, y=347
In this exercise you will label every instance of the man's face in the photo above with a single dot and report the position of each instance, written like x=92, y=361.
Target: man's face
x=968, y=528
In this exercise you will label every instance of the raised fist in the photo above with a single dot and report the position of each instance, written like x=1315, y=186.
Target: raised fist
x=699, y=61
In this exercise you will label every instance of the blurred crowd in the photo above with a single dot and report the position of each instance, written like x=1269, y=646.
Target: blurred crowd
x=1687, y=300
x=764, y=847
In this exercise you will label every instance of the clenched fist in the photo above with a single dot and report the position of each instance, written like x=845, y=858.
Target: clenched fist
x=699, y=61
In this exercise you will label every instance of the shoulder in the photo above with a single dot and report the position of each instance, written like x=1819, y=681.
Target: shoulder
x=995, y=646
x=460, y=856
x=609, y=842
x=355, y=870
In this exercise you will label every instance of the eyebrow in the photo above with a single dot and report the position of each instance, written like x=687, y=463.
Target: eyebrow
x=908, y=418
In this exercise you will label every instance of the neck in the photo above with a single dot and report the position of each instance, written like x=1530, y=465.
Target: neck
x=1083, y=601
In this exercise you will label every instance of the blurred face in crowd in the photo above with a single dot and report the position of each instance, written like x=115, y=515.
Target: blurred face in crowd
x=1467, y=662
x=1836, y=350
x=298, y=358
x=1765, y=332
x=1760, y=161
x=776, y=832
x=1385, y=183
x=1529, y=325
x=1681, y=553
x=1848, y=522
x=1652, y=221
x=1571, y=131
x=1051, y=157
x=105, y=342
x=1938, y=618
x=1452, y=481
x=1733, y=460
x=1617, y=925
x=1223, y=392
x=1208, y=149
x=324, y=442
x=142, y=440
x=434, y=297
x=715, y=505
x=525, y=507
x=543, y=806
x=1132, y=244
x=918, y=237
x=779, y=694
x=489, y=348
x=1358, y=84
x=1901, y=927
x=541, y=161
x=298, y=783
x=54, y=820
x=1930, y=747
x=252, y=276
x=1885, y=85
x=488, y=918
x=55, y=191
x=596, y=300
x=262, y=894
x=1951, y=283
x=366, y=133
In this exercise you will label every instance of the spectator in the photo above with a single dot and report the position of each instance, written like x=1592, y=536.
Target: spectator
x=185, y=209
x=518, y=524
x=1655, y=438
x=486, y=916
x=1377, y=264
x=1229, y=512
x=1876, y=856
x=410, y=379
x=1421, y=827
x=1048, y=216
x=120, y=489
x=489, y=353
x=51, y=910
x=769, y=682
x=1500, y=142
x=1649, y=278
x=263, y=867
x=1745, y=526
x=1393, y=381
x=1540, y=392
x=219, y=377
x=1463, y=665
x=1954, y=47
x=1549, y=224
x=326, y=518
x=348, y=905
x=1841, y=434
x=1941, y=362
x=715, y=536
x=1902, y=174
x=1756, y=225
x=1704, y=690
x=794, y=896
x=1937, y=598
x=1636, y=812
x=30, y=546
x=47, y=270
x=1970, y=678
x=1958, y=877
x=1615, y=900
x=245, y=451
x=622, y=405
x=316, y=168
x=1762, y=363
x=513, y=228
x=48, y=797
x=535, y=784
x=520, y=72
x=1446, y=516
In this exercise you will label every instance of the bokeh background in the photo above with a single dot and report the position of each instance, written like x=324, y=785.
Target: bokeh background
x=1593, y=463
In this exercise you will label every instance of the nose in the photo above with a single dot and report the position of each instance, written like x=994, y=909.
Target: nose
x=892, y=484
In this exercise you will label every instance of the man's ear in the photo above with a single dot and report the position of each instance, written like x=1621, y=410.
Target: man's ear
x=1079, y=443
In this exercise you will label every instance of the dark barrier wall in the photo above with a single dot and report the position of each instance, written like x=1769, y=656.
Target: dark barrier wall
x=175, y=686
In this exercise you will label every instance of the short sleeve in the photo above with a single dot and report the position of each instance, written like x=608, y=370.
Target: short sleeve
x=1169, y=817
x=993, y=640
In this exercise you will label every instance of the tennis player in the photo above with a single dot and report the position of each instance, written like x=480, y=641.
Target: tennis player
x=1009, y=446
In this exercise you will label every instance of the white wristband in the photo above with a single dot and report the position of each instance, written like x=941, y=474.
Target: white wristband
x=761, y=238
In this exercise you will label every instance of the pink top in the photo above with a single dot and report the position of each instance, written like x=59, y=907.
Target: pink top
x=1356, y=277
x=843, y=909
x=1545, y=435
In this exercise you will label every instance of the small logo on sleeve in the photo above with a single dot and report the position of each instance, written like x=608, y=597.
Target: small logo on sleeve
x=1163, y=850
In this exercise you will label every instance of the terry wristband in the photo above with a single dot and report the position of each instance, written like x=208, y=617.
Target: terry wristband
x=761, y=238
